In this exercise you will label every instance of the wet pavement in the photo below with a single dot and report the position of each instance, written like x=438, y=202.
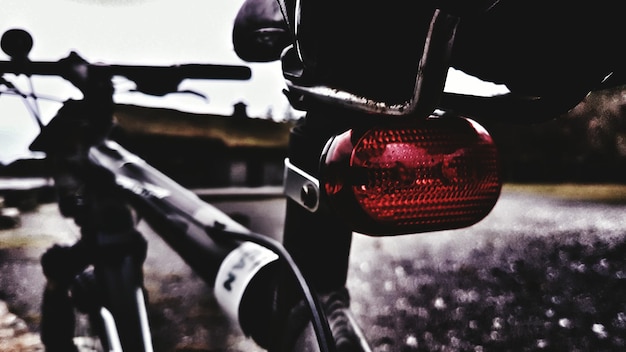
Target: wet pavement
x=537, y=274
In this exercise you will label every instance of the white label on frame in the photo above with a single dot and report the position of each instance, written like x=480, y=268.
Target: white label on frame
x=236, y=272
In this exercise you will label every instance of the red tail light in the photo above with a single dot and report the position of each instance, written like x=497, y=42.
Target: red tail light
x=436, y=174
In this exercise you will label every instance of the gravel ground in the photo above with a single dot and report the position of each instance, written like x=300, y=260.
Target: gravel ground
x=539, y=281
x=541, y=294
x=549, y=293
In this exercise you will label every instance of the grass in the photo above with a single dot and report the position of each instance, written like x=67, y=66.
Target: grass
x=602, y=193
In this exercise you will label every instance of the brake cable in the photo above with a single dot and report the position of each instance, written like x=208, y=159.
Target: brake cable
x=32, y=107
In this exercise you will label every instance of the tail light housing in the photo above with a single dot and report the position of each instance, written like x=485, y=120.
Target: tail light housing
x=434, y=174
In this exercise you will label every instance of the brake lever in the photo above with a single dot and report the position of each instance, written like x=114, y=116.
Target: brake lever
x=157, y=86
x=160, y=91
x=193, y=92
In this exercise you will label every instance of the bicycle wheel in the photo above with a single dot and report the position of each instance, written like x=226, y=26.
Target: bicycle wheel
x=89, y=330
x=123, y=312
x=87, y=338
x=112, y=309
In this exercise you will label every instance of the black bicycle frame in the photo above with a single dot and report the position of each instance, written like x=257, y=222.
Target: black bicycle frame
x=186, y=223
x=177, y=214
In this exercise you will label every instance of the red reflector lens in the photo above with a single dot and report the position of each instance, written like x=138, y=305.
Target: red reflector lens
x=435, y=174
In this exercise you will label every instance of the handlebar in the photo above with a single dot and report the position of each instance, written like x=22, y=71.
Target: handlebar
x=155, y=80
x=91, y=117
x=65, y=67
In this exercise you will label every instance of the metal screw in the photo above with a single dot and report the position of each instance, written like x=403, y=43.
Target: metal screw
x=308, y=195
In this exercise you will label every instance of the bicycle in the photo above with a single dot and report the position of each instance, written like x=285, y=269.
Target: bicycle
x=350, y=168
x=97, y=179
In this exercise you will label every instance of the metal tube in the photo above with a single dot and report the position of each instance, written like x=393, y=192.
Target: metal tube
x=179, y=216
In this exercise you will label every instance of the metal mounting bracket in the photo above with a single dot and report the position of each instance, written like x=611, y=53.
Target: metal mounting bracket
x=301, y=187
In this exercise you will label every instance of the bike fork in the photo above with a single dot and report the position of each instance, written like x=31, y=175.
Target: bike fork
x=112, y=293
x=60, y=265
x=120, y=281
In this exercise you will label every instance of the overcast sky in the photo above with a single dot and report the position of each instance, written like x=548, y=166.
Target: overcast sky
x=157, y=32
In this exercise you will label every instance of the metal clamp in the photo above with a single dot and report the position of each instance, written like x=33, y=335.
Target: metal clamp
x=429, y=81
x=301, y=187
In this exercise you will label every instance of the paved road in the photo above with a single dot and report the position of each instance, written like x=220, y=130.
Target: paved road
x=384, y=271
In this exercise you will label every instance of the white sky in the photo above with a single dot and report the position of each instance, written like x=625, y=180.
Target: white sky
x=156, y=32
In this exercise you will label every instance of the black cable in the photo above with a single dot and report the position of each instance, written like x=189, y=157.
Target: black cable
x=32, y=108
x=38, y=97
x=34, y=105
x=318, y=316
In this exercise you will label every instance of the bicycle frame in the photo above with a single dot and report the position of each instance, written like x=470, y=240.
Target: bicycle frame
x=181, y=218
x=98, y=182
x=115, y=179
